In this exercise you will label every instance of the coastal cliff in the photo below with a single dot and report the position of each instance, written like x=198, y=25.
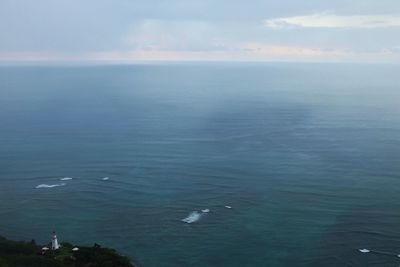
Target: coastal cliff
x=29, y=254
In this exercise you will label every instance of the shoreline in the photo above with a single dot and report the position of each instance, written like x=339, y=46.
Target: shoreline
x=29, y=254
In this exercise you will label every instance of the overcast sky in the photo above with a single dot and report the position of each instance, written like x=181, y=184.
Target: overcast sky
x=252, y=30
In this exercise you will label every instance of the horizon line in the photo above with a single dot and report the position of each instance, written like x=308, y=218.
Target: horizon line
x=102, y=62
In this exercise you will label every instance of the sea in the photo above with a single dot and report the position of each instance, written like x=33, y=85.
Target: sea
x=205, y=164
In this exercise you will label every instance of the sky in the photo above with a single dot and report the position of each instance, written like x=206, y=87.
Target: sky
x=205, y=30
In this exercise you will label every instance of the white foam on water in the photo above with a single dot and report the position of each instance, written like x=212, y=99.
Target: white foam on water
x=228, y=207
x=205, y=210
x=66, y=179
x=105, y=178
x=193, y=217
x=50, y=185
x=364, y=250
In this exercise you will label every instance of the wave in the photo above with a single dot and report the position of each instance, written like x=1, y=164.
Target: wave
x=50, y=185
x=105, y=178
x=205, y=210
x=192, y=217
x=66, y=179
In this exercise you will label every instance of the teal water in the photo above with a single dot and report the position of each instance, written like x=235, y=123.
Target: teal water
x=307, y=156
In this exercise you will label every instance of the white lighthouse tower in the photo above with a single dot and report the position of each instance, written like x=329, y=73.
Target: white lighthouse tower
x=54, y=242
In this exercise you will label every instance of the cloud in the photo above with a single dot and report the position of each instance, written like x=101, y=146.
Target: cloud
x=185, y=35
x=326, y=20
x=248, y=51
x=391, y=50
x=284, y=51
x=251, y=51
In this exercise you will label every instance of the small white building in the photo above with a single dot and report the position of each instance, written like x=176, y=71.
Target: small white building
x=54, y=242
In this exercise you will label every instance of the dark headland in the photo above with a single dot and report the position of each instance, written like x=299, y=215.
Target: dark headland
x=30, y=254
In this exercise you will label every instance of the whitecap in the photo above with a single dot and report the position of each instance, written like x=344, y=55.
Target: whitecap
x=105, y=178
x=193, y=217
x=205, y=210
x=364, y=250
x=66, y=179
x=50, y=185
x=228, y=207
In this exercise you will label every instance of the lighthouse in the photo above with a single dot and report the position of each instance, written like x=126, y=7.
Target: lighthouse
x=54, y=242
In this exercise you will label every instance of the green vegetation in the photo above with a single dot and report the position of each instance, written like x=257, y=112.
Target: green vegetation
x=29, y=254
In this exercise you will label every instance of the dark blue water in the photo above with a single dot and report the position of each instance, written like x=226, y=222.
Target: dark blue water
x=307, y=156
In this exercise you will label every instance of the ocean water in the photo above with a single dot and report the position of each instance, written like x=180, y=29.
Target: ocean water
x=205, y=164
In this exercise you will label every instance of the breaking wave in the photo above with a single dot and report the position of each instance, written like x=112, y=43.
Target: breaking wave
x=50, y=185
x=193, y=217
